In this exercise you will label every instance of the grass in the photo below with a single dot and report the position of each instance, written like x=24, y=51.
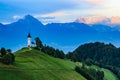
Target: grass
x=108, y=75
x=36, y=65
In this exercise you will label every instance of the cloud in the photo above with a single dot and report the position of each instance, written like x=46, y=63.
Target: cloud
x=16, y=17
x=44, y=19
x=39, y=16
x=52, y=17
x=97, y=1
x=115, y=20
x=56, y=14
x=5, y=22
x=102, y=20
x=91, y=20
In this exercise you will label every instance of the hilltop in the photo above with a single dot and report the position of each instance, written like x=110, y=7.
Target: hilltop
x=36, y=65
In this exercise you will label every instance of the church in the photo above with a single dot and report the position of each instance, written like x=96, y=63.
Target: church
x=29, y=43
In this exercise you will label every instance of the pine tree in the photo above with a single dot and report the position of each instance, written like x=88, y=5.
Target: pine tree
x=39, y=44
x=3, y=52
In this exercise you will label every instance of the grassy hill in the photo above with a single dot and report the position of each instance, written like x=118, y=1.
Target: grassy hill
x=35, y=65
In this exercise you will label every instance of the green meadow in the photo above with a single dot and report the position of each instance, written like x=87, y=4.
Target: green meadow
x=36, y=65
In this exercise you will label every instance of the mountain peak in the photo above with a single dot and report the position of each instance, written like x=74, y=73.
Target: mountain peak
x=29, y=17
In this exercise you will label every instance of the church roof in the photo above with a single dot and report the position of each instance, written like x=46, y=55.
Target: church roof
x=29, y=35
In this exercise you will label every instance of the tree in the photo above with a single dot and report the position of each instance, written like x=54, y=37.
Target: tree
x=9, y=50
x=90, y=74
x=53, y=52
x=7, y=59
x=39, y=44
x=100, y=53
x=12, y=57
x=59, y=54
x=3, y=52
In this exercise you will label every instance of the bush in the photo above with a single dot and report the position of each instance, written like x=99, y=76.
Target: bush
x=90, y=74
x=3, y=52
x=8, y=59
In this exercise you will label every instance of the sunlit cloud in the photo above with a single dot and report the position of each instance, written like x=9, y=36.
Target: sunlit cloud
x=97, y=1
x=91, y=20
x=56, y=14
x=115, y=20
x=101, y=20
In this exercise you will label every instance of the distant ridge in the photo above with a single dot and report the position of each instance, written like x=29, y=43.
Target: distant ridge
x=65, y=36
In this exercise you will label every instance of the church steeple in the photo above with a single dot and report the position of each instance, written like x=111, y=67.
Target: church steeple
x=29, y=36
x=29, y=40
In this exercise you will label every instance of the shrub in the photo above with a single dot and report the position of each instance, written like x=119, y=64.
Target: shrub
x=90, y=74
x=8, y=59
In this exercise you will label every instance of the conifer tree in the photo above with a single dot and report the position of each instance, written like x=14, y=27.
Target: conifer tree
x=39, y=44
x=3, y=52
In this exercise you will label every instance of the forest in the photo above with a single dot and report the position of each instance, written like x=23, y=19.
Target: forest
x=98, y=53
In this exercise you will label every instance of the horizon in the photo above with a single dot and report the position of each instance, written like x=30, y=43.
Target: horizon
x=86, y=20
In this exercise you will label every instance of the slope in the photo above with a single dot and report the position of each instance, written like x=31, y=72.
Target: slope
x=35, y=65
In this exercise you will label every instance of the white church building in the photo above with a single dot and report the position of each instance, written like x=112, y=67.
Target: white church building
x=29, y=41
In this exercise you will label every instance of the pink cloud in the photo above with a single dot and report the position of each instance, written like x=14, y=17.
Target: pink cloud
x=115, y=20
x=91, y=20
x=102, y=20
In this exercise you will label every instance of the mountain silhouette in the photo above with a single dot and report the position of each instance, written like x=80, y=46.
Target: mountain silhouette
x=65, y=36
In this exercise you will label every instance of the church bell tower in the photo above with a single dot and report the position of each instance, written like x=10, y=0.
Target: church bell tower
x=29, y=40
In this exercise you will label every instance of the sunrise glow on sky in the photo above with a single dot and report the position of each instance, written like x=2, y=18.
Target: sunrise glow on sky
x=58, y=10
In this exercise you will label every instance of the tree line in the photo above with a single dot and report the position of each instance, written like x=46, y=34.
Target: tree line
x=6, y=56
x=101, y=54
x=90, y=74
x=48, y=49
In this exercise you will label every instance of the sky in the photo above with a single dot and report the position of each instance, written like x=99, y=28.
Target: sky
x=49, y=11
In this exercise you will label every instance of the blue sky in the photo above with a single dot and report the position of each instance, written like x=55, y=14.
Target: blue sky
x=57, y=10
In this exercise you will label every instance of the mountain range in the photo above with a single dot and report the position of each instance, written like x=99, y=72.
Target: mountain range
x=65, y=36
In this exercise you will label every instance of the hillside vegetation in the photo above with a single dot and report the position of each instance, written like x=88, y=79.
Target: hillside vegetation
x=36, y=65
x=101, y=54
